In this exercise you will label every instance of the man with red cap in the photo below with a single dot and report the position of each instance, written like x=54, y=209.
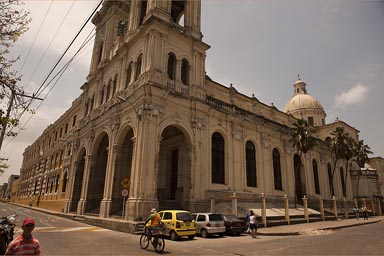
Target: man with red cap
x=25, y=244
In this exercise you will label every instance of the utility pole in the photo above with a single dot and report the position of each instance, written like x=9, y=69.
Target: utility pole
x=8, y=114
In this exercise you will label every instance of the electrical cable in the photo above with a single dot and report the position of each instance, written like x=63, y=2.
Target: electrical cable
x=50, y=43
x=37, y=34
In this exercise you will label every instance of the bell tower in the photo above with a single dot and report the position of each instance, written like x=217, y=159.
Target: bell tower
x=160, y=41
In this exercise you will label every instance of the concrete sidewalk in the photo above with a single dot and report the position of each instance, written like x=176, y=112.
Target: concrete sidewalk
x=306, y=228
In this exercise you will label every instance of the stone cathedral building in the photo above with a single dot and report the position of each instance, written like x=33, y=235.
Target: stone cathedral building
x=151, y=129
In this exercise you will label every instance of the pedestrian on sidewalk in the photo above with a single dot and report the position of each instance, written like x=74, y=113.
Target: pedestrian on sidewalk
x=25, y=244
x=253, y=224
x=364, y=210
x=356, y=211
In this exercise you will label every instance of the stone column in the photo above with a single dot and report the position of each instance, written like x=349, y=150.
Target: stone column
x=334, y=202
x=213, y=204
x=71, y=181
x=321, y=203
x=106, y=202
x=305, y=205
x=346, y=214
x=355, y=202
x=373, y=207
x=286, y=204
x=90, y=161
x=133, y=188
x=146, y=152
x=234, y=203
x=263, y=210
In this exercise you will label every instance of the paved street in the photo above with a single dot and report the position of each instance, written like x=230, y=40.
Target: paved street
x=61, y=236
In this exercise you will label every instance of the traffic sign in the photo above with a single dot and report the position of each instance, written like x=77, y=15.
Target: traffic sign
x=124, y=192
x=125, y=183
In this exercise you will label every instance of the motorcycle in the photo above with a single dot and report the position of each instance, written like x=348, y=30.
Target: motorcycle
x=7, y=231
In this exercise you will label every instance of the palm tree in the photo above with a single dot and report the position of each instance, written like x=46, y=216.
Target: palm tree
x=349, y=154
x=302, y=141
x=339, y=149
x=361, y=157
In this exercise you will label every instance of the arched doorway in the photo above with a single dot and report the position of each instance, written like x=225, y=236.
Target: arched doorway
x=122, y=175
x=174, y=170
x=77, y=184
x=96, y=177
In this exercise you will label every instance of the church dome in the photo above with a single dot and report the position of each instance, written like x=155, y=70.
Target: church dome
x=302, y=105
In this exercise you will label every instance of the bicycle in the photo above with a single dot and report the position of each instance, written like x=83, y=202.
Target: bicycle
x=157, y=239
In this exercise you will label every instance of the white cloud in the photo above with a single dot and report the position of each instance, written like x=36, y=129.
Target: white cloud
x=354, y=96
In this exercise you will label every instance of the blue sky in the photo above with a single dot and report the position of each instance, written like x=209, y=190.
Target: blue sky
x=260, y=46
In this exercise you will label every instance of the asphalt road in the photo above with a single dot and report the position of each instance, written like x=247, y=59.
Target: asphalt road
x=60, y=236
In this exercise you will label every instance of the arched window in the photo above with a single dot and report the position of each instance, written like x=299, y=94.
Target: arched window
x=65, y=176
x=108, y=91
x=342, y=181
x=277, y=169
x=316, y=177
x=114, y=85
x=143, y=11
x=138, y=66
x=129, y=75
x=171, y=66
x=185, y=72
x=218, y=159
x=250, y=159
x=330, y=180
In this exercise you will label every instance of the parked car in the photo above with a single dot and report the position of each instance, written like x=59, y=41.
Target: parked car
x=179, y=223
x=209, y=224
x=234, y=225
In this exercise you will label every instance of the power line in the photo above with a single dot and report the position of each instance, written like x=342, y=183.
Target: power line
x=34, y=39
x=50, y=43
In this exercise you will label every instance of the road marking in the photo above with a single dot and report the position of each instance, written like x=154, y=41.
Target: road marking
x=64, y=229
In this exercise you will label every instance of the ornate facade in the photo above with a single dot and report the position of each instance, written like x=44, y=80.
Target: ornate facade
x=151, y=122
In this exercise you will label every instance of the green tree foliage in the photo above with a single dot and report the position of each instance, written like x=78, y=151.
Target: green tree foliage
x=13, y=23
x=344, y=147
x=302, y=140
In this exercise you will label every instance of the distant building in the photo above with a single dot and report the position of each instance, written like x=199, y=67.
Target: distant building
x=151, y=129
x=11, y=183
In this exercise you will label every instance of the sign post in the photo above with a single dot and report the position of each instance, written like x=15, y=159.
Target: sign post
x=124, y=193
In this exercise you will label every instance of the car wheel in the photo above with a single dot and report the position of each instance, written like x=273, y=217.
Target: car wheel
x=173, y=236
x=191, y=237
x=204, y=233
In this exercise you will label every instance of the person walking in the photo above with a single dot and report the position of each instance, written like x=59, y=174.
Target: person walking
x=253, y=224
x=356, y=212
x=25, y=244
x=364, y=210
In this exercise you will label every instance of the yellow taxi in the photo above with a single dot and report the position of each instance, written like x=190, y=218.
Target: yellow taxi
x=179, y=223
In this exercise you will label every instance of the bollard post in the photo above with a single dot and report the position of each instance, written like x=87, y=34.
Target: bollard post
x=234, y=203
x=286, y=209
x=335, y=207
x=305, y=204
x=321, y=203
x=263, y=210
x=345, y=208
x=379, y=206
x=213, y=205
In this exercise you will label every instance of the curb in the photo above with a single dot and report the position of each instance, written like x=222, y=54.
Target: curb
x=296, y=233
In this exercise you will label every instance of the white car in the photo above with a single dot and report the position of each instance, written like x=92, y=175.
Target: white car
x=209, y=224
